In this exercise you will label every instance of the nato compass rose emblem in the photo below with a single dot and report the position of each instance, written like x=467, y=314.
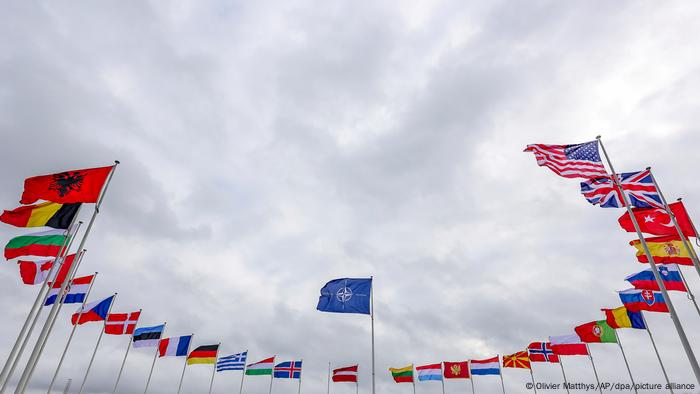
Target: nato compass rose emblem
x=648, y=297
x=344, y=294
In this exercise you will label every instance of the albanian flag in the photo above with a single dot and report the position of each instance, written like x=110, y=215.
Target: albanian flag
x=66, y=187
x=656, y=221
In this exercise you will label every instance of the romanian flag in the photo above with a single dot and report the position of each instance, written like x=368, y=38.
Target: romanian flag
x=402, y=375
x=203, y=355
x=665, y=250
x=517, y=360
x=66, y=187
x=44, y=244
x=48, y=214
x=623, y=318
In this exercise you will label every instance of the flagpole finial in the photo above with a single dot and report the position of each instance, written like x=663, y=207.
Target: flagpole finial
x=597, y=137
x=679, y=198
x=117, y=162
x=648, y=168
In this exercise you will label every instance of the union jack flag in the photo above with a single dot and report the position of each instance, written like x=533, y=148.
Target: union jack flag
x=638, y=186
x=570, y=161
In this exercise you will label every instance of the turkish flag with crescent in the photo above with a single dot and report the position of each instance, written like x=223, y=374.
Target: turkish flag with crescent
x=656, y=221
x=66, y=187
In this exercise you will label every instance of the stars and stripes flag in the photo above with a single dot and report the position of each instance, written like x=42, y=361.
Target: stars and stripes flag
x=570, y=161
x=638, y=187
x=234, y=362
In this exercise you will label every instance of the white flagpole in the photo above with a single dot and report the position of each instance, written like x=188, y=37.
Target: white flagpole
x=697, y=241
x=471, y=376
x=99, y=338
x=272, y=376
x=357, y=381
x=329, y=378
x=33, y=315
x=595, y=372
x=442, y=378
x=243, y=372
x=672, y=310
x=566, y=384
x=532, y=376
x=46, y=330
x=211, y=384
x=155, y=356
x=371, y=293
x=689, y=294
x=653, y=343
x=182, y=377
x=72, y=331
x=500, y=373
x=65, y=389
x=300, y=372
x=624, y=357
x=131, y=339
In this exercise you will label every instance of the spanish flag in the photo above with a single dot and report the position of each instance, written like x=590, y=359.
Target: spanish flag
x=668, y=249
x=203, y=355
x=48, y=214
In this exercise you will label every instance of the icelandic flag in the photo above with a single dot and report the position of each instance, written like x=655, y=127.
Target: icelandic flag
x=75, y=291
x=346, y=295
x=288, y=370
x=93, y=311
x=643, y=300
x=670, y=274
x=429, y=372
x=175, y=346
x=490, y=366
x=148, y=336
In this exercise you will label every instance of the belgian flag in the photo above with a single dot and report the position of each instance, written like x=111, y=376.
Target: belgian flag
x=49, y=214
x=203, y=355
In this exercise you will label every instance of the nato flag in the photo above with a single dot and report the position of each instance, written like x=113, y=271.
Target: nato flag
x=346, y=295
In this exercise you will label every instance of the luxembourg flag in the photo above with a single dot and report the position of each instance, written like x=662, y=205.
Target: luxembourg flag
x=93, y=311
x=77, y=291
x=174, y=346
x=429, y=372
x=670, y=274
x=489, y=366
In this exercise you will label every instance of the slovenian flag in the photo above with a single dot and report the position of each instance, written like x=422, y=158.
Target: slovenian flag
x=670, y=274
x=76, y=291
x=429, y=372
x=490, y=366
x=93, y=311
x=175, y=346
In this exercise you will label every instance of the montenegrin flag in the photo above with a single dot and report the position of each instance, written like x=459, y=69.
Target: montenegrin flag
x=596, y=332
x=429, y=372
x=49, y=214
x=263, y=367
x=665, y=250
x=670, y=274
x=456, y=370
x=402, y=375
x=66, y=187
x=43, y=244
x=623, y=318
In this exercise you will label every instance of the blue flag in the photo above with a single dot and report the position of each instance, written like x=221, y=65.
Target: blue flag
x=346, y=295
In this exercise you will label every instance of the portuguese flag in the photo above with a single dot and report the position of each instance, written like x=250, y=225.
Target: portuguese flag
x=203, y=355
x=48, y=214
x=596, y=332
x=402, y=375
x=263, y=367
x=44, y=243
x=66, y=187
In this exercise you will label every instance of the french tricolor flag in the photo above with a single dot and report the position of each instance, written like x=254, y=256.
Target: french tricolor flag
x=93, y=311
x=174, y=346
x=489, y=366
x=76, y=291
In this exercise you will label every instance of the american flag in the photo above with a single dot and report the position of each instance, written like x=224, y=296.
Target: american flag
x=638, y=186
x=570, y=161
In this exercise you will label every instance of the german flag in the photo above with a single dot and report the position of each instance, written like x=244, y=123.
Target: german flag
x=517, y=360
x=48, y=214
x=203, y=355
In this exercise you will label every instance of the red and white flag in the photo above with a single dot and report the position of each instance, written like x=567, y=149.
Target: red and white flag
x=346, y=374
x=121, y=323
x=568, y=345
x=34, y=272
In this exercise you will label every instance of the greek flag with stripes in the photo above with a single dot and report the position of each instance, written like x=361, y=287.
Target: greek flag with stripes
x=234, y=362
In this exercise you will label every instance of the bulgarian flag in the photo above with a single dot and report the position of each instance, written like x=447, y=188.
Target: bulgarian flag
x=402, y=375
x=263, y=367
x=44, y=244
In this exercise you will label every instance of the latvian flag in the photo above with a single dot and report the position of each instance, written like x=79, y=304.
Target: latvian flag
x=175, y=346
x=121, y=323
x=75, y=292
x=346, y=374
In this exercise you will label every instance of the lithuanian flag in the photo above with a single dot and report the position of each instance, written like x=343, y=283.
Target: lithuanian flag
x=48, y=214
x=203, y=355
x=44, y=243
x=665, y=250
x=402, y=375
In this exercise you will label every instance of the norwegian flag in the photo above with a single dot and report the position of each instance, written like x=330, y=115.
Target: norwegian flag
x=542, y=352
x=121, y=323
x=570, y=161
x=638, y=186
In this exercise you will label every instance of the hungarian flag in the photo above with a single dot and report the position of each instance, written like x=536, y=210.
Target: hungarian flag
x=34, y=272
x=596, y=332
x=44, y=244
x=345, y=374
x=517, y=360
x=203, y=355
x=263, y=367
x=656, y=221
x=402, y=375
x=664, y=250
x=568, y=345
x=643, y=300
x=623, y=318
x=94, y=311
x=542, y=352
x=121, y=323
x=66, y=187
x=49, y=214
x=456, y=370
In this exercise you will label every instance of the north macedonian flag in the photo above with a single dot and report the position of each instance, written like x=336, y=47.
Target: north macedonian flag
x=44, y=244
x=402, y=375
x=203, y=355
x=517, y=360
x=665, y=250
x=49, y=214
x=66, y=187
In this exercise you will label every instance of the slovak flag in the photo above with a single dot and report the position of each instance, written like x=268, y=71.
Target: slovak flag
x=643, y=300
x=75, y=292
x=121, y=323
x=174, y=346
x=93, y=311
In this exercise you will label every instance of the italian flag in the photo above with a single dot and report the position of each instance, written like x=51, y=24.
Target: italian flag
x=44, y=243
x=263, y=367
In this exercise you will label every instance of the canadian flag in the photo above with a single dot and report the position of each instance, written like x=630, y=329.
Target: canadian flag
x=34, y=272
x=121, y=323
x=347, y=374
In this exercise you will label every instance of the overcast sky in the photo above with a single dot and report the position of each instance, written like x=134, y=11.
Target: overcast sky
x=268, y=147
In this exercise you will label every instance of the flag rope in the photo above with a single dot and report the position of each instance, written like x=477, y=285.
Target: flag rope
x=99, y=339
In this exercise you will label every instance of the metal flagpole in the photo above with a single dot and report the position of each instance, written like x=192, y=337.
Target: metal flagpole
x=99, y=338
x=33, y=315
x=697, y=241
x=357, y=381
x=471, y=377
x=371, y=293
x=329, y=378
x=211, y=384
x=182, y=377
x=442, y=378
x=653, y=343
x=672, y=310
x=131, y=339
x=300, y=372
x=500, y=373
x=272, y=376
x=243, y=372
x=595, y=372
x=624, y=357
x=689, y=294
x=65, y=390
x=46, y=330
x=153, y=364
x=566, y=384
x=70, y=337
x=414, y=386
x=532, y=376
